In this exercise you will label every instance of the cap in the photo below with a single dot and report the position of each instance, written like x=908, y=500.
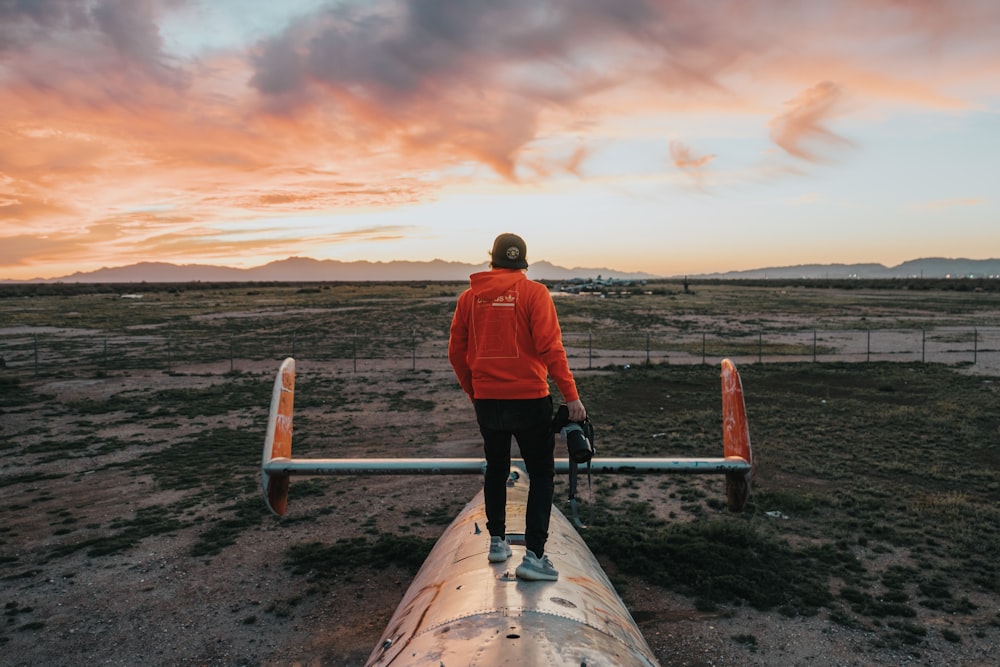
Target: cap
x=509, y=252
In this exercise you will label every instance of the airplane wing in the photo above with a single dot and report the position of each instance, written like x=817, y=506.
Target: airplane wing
x=277, y=463
x=461, y=609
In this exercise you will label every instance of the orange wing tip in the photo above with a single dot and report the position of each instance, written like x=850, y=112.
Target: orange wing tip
x=278, y=440
x=276, y=494
x=735, y=436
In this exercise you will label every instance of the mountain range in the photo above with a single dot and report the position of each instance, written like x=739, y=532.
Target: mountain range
x=930, y=267
x=304, y=269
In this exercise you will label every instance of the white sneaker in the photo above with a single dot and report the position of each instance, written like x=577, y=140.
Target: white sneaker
x=499, y=549
x=533, y=568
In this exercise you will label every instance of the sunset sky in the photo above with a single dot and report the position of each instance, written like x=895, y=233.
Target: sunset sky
x=664, y=136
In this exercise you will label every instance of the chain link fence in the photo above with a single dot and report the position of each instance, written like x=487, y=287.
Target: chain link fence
x=69, y=353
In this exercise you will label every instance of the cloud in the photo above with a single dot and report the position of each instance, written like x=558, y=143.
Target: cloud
x=575, y=162
x=805, y=122
x=472, y=80
x=382, y=103
x=25, y=249
x=22, y=23
x=213, y=244
x=141, y=236
x=109, y=39
x=684, y=159
x=944, y=204
x=130, y=27
x=691, y=164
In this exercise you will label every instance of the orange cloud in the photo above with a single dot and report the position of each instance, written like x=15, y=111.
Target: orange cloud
x=138, y=237
x=805, y=122
x=685, y=160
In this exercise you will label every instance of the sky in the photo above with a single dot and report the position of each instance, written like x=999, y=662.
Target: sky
x=670, y=137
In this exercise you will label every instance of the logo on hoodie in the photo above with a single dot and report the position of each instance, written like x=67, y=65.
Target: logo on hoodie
x=508, y=300
x=494, y=326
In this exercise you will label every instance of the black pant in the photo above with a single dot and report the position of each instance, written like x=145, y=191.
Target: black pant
x=530, y=421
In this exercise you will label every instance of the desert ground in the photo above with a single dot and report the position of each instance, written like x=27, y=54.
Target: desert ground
x=134, y=533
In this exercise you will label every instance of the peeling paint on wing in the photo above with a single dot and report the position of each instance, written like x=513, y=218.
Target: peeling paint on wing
x=278, y=439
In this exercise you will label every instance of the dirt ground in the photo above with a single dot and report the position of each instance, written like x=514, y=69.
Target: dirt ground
x=155, y=604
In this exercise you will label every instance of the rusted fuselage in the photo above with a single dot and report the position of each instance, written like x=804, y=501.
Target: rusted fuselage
x=461, y=609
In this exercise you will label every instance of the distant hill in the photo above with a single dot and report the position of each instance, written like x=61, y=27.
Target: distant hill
x=932, y=267
x=304, y=269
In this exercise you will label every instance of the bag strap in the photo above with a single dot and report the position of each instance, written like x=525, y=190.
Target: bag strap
x=588, y=431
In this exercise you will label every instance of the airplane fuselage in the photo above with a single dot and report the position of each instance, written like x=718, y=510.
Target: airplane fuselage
x=461, y=609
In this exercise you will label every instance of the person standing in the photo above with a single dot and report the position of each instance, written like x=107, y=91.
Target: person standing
x=504, y=344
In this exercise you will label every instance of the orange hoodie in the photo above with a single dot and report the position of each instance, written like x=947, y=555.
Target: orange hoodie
x=505, y=339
